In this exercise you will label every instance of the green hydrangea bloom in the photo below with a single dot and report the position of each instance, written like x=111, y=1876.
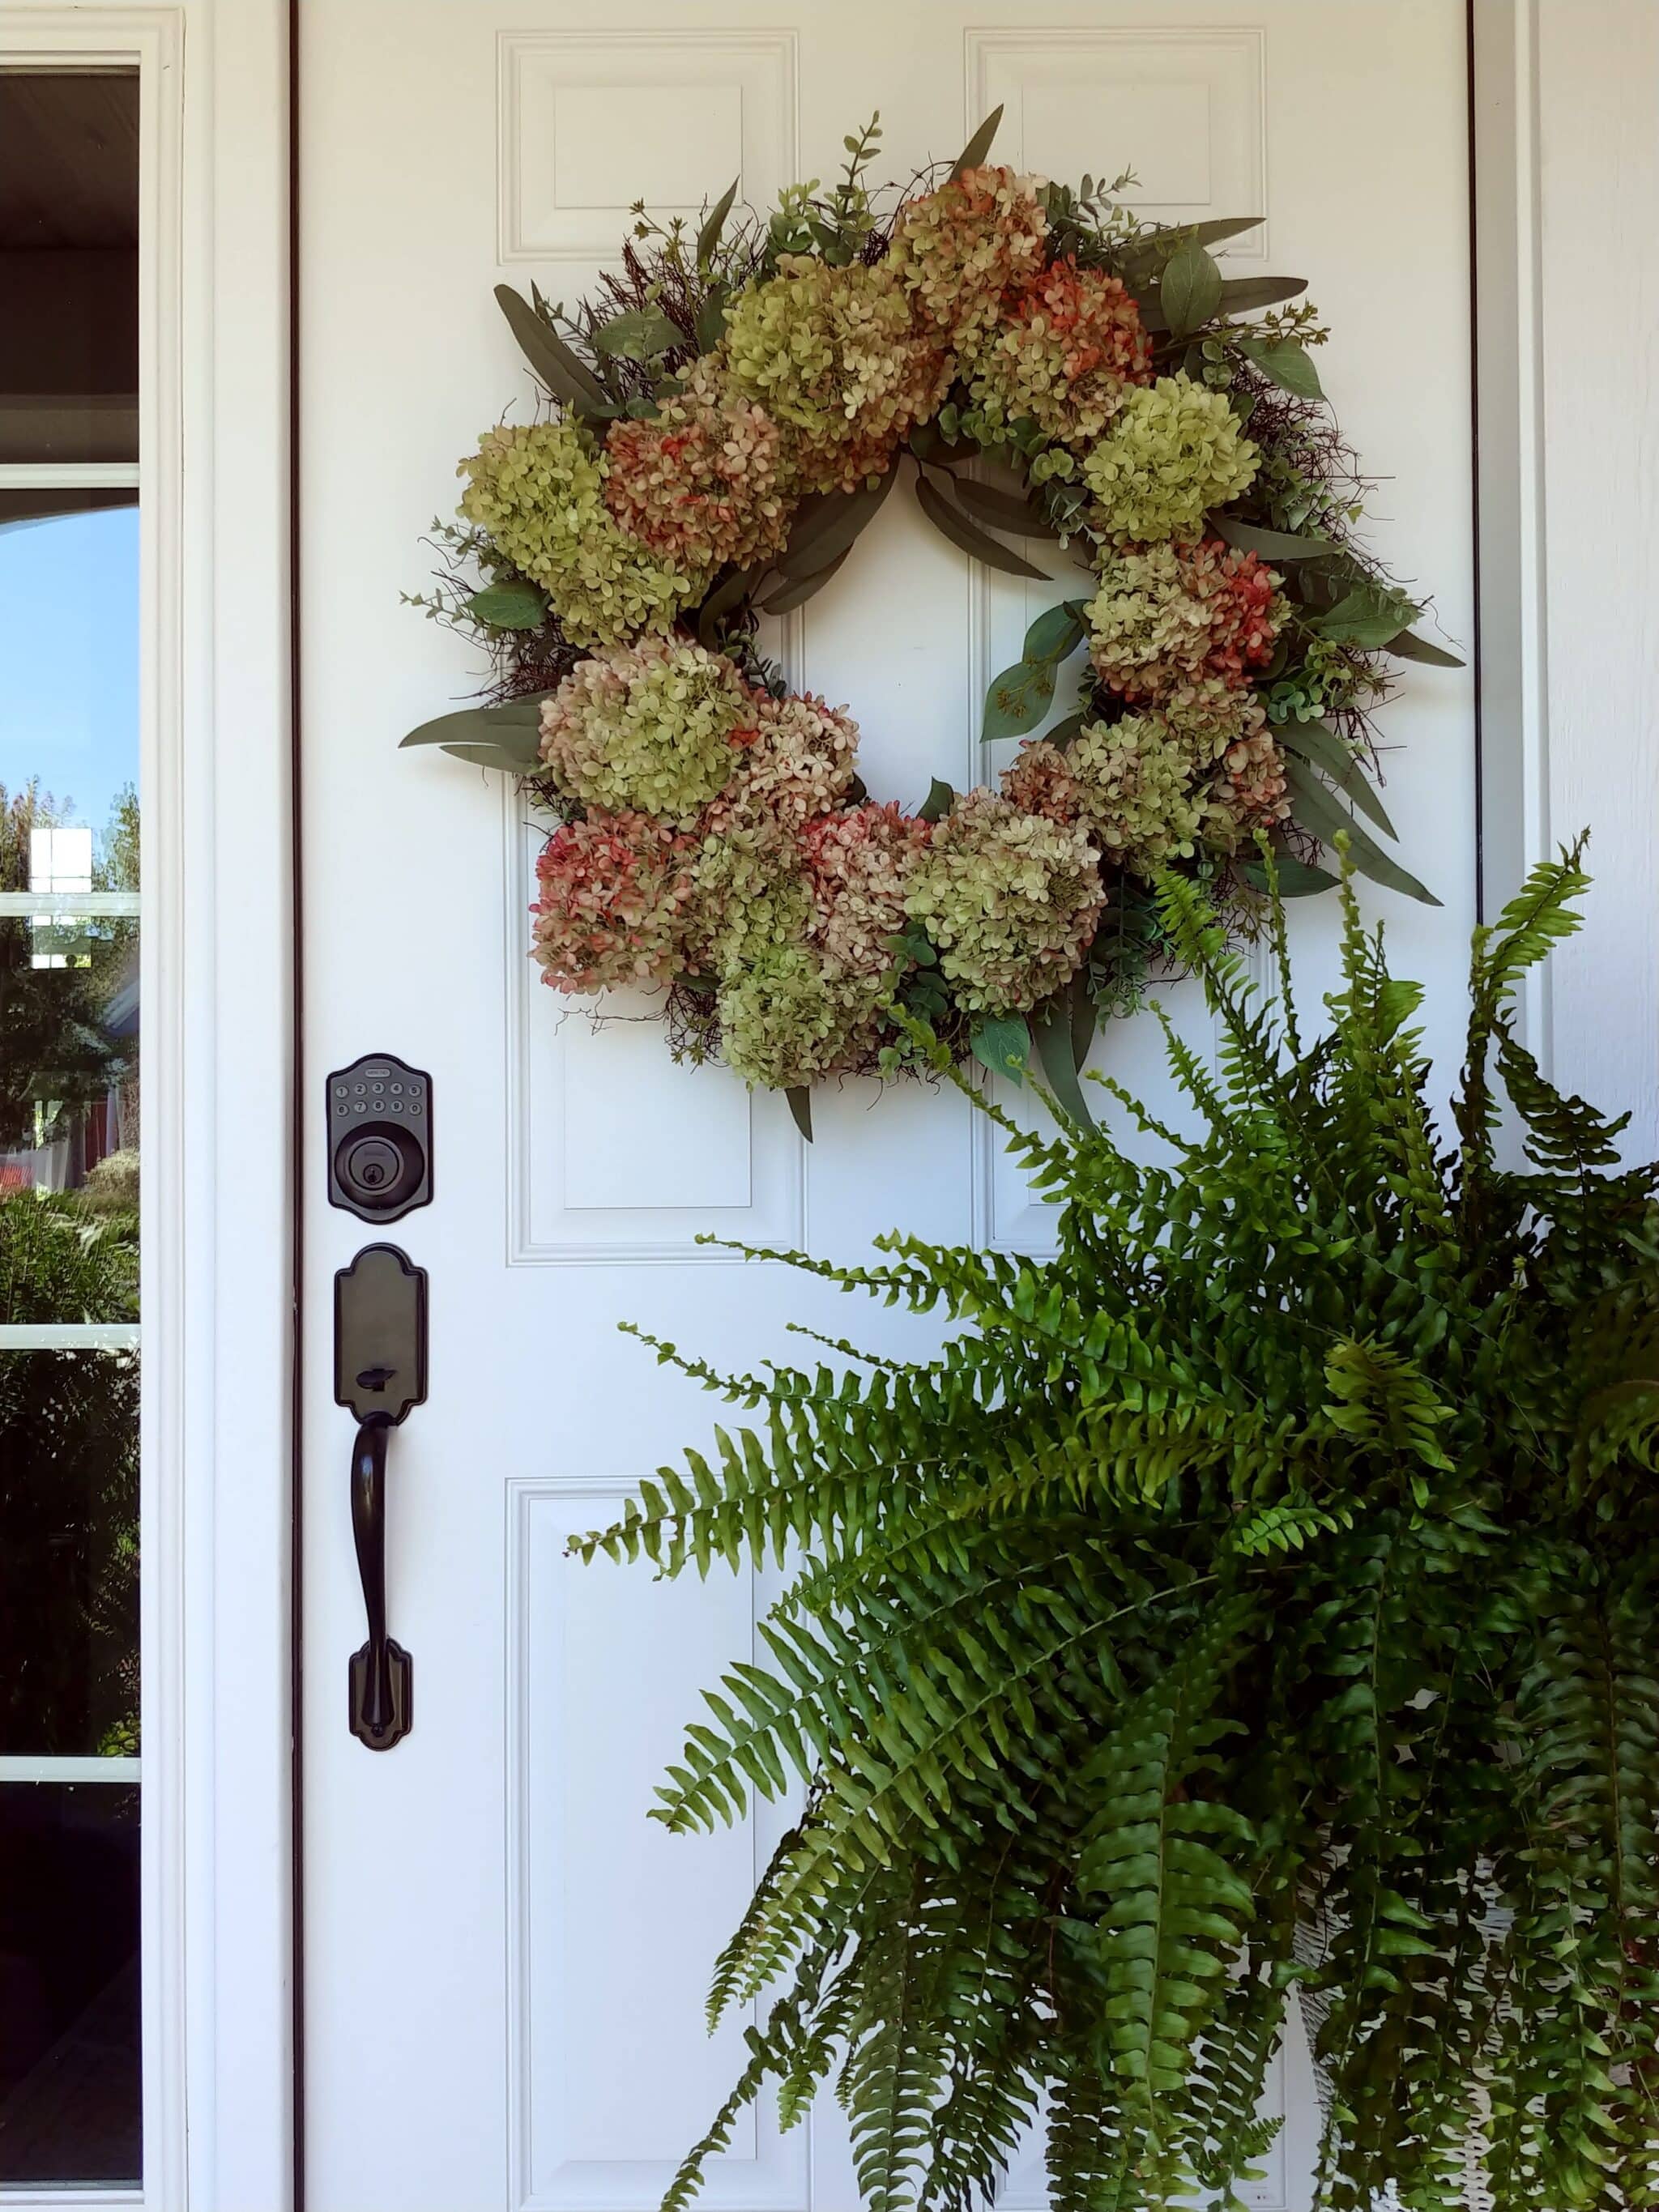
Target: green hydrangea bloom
x=1172, y=450
x=782, y=1022
x=833, y=357
x=1009, y=899
x=1134, y=782
x=749, y=892
x=647, y=728
x=538, y=491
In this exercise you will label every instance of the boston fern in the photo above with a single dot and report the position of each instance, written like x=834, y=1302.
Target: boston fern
x=1260, y=1596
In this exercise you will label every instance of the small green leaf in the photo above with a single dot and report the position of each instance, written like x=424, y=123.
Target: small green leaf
x=1189, y=291
x=939, y=802
x=1057, y=632
x=800, y=1109
x=510, y=606
x=1288, y=363
x=714, y=223
x=1003, y=1045
x=972, y=156
x=640, y=334
x=950, y=522
x=1019, y=699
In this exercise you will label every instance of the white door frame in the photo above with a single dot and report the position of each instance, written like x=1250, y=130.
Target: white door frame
x=1564, y=90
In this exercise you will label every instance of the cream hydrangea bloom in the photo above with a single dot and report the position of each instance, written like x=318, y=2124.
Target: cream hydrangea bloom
x=537, y=489
x=1173, y=451
x=1009, y=900
x=655, y=727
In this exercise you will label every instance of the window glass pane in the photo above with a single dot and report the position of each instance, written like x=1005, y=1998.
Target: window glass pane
x=69, y=264
x=69, y=1536
x=69, y=826
x=70, y=2108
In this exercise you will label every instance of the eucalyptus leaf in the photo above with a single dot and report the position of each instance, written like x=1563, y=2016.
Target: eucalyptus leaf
x=1288, y=363
x=950, y=522
x=727, y=594
x=1018, y=699
x=1270, y=544
x=1240, y=295
x=1318, y=810
x=500, y=758
x=940, y=799
x=1409, y=646
x=711, y=319
x=1296, y=877
x=1057, y=632
x=1003, y=1046
x=513, y=727
x=1003, y=510
x=1189, y=291
x=1329, y=750
x=565, y=377
x=1368, y=615
x=827, y=523
x=800, y=1109
x=714, y=223
x=797, y=592
x=1051, y=1029
x=510, y=606
x=973, y=153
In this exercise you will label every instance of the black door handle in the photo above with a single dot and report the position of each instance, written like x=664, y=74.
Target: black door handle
x=381, y=1672
x=379, y=1372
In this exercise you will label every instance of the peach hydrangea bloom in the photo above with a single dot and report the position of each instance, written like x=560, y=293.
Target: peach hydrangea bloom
x=700, y=485
x=859, y=865
x=1064, y=352
x=956, y=250
x=1166, y=617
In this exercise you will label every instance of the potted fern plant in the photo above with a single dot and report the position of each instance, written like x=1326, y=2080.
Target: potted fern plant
x=1261, y=1594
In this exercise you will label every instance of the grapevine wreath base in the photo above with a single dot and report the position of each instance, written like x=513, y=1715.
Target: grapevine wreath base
x=718, y=425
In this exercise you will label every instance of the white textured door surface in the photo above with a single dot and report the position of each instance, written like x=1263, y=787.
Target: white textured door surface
x=505, y=1961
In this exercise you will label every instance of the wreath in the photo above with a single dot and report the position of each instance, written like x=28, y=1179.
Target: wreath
x=717, y=426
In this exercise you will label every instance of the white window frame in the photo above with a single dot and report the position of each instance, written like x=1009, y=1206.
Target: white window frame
x=216, y=980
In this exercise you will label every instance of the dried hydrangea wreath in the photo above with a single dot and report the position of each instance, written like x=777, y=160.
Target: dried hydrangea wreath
x=723, y=421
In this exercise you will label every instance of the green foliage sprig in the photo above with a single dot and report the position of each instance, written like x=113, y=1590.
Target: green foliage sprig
x=1262, y=1593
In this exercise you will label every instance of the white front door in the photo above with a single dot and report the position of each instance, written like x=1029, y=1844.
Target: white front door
x=504, y=1961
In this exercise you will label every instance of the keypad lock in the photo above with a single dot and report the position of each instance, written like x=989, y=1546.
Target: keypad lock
x=379, y=1138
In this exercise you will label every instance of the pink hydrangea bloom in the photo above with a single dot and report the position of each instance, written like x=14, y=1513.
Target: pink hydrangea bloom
x=615, y=889
x=958, y=249
x=700, y=485
x=858, y=864
x=1066, y=347
x=1168, y=619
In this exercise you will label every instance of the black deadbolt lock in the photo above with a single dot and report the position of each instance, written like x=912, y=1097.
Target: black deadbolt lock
x=379, y=1138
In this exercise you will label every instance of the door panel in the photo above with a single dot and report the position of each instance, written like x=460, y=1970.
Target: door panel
x=504, y=1961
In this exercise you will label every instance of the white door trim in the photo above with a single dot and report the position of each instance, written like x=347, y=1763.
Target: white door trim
x=218, y=1930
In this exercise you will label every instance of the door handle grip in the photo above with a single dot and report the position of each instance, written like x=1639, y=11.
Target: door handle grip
x=379, y=1372
x=380, y=1671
